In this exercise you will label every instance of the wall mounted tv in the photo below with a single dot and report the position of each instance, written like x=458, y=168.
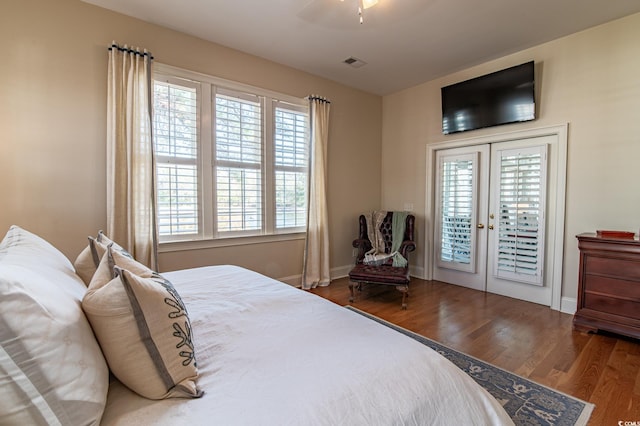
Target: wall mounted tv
x=502, y=97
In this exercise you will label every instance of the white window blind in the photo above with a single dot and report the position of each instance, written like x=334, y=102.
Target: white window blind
x=520, y=230
x=291, y=163
x=457, y=187
x=232, y=160
x=238, y=141
x=175, y=124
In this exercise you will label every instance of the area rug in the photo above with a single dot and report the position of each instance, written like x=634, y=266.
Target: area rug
x=526, y=402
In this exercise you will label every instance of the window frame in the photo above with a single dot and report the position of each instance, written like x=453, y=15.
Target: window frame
x=443, y=158
x=502, y=218
x=208, y=235
x=167, y=159
x=275, y=104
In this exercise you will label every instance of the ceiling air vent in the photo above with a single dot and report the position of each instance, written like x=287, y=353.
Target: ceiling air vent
x=354, y=62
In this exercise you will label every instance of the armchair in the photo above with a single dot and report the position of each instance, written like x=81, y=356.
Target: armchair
x=383, y=272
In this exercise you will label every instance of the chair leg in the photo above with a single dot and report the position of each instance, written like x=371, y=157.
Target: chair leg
x=404, y=289
x=353, y=286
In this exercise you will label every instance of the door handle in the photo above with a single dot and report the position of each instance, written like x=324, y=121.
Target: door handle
x=490, y=226
x=480, y=226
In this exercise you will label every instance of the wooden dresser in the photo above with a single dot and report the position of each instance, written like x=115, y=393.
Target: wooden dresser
x=609, y=285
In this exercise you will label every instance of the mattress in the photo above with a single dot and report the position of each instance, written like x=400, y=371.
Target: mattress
x=271, y=354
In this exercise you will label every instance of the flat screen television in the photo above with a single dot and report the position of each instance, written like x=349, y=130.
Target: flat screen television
x=502, y=97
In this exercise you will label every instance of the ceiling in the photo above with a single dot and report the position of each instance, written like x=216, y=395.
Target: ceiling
x=402, y=42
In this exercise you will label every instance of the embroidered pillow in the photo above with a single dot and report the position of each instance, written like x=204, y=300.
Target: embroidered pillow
x=51, y=368
x=143, y=328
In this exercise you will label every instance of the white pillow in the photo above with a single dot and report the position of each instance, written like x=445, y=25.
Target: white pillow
x=143, y=328
x=52, y=370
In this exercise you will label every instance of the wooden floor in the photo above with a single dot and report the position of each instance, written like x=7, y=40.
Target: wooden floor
x=528, y=339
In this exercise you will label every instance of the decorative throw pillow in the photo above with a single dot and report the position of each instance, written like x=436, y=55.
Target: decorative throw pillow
x=88, y=260
x=51, y=368
x=143, y=328
x=86, y=263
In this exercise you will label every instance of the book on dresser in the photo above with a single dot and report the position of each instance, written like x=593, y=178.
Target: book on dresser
x=609, y=283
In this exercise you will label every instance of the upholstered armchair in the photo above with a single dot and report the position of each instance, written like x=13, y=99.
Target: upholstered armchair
x=382, y=269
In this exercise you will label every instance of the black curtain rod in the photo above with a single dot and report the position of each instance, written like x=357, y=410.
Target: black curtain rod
x=318, y=98
x=123, y=49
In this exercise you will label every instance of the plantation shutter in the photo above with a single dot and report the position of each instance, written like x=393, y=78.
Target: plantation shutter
x=231, y=159
x=456, y=211
x=175, y=136
x=520, y=225
x=291, y=165
x=238, y=151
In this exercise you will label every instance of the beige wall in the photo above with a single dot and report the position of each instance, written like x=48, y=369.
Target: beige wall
x=52, y=117
x=590, y=80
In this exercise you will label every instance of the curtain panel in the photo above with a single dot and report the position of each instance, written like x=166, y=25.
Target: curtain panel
x=316, y=270
x=131, y=216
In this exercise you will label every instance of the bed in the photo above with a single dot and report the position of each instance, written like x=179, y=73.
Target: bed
x=267, y=354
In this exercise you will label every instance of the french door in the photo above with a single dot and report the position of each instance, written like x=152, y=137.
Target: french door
x=493, y=218
x=461, y=186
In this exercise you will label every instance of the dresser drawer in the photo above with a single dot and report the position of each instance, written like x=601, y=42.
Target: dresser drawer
x=612, y=287
x=623, y=268
x=611, y=305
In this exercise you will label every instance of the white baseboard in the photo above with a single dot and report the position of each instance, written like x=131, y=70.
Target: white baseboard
x=568, y=305
x=296, y=280
x=416, y=271
x=340, y=272
x=293, y=280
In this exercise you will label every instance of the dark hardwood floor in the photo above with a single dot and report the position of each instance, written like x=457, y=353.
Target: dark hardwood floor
x=528, y=339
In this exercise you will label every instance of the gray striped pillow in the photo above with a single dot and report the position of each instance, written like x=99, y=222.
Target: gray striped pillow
x=143, y=328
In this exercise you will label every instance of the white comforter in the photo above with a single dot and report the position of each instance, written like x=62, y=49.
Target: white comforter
x=270, y=354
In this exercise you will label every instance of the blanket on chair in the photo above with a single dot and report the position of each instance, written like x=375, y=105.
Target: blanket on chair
x=377, y=254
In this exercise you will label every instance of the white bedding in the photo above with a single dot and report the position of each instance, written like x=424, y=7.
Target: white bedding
x=270, y=354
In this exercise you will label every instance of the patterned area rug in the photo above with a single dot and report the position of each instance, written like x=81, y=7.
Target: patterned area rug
x=527, y=402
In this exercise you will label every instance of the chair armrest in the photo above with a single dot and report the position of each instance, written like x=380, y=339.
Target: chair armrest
x=406, y=247
x=363, y=246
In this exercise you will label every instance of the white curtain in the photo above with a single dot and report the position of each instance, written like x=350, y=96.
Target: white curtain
x=316, y=257
x=130, y=163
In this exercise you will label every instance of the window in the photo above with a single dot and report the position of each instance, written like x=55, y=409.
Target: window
x=175, y=124
x=457, y=182
x=292, y=157
x=456, y=208
x=522, y=193
x=232, y=160
x=238, y=148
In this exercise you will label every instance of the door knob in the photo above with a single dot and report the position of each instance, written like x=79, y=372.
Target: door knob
x=490, y=226
x=480, y=225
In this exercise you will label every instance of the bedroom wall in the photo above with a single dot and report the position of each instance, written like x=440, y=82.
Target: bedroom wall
x=590, y=80
x=52, y=116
